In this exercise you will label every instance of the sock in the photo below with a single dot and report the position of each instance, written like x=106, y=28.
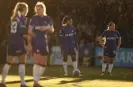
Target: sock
x=22, y=73
x=41, y=71
x=65, y=67
x=110, y=68
x=36, y=76
x=5, y=72
x=104, y=65
x=74, y=65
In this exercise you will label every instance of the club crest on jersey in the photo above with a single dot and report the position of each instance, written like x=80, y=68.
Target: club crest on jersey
x=45, y=22
x=38, y=50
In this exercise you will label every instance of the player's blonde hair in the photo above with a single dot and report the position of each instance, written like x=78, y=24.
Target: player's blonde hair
x=42, y=5
x=19, y=7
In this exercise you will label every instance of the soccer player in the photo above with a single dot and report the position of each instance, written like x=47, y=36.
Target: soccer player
x=39, y=25
x=68, y=43
x=110, y=47
x=16, y=47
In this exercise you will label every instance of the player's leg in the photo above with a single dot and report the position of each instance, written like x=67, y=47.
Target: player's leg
x=74, y=62
x=65, y=58
x=21, y=69
x=73, y=53
x=105, y=60
x=110, y=67
x=6, y=68
x=112, y=56
x=11, y=53
x=65, y=51
x=36, y=69
x=40, y=63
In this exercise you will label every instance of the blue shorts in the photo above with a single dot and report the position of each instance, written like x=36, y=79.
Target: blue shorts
x=109, y=52
x=42, y=50
x=16, y=49
x=68, y=50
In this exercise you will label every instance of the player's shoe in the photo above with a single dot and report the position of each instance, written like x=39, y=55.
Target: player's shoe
x=2, y=85
x=23, y=85
x=37, y=85
x=109, y=73
x=102, y=74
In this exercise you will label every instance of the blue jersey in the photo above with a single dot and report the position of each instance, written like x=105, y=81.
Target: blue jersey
x=18, y=27
x=41, y=37
x=111, y=38
x=68, y=36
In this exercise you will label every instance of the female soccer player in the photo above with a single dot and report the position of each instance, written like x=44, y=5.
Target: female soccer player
x=68, y=43
x=39, y=25
x=16, y=46
x=110, y=47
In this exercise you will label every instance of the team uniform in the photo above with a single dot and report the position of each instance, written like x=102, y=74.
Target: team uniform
x=39, y=42
x=16, y=40
x=68, y=43
x=110, y=46
x=68, y=40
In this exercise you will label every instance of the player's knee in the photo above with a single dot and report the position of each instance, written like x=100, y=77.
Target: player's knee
x=105, y=61
x=65, y=58
x=42, y=65
x=73, y=59
x=111, y=61
x=9, y=63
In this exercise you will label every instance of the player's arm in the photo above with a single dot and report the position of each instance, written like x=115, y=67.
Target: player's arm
x=119, y=40
x=75, y=37
x=100, y=39
x=49, y=27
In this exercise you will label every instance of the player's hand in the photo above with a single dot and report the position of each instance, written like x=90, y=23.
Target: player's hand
x=33, y=34
x=29, y=50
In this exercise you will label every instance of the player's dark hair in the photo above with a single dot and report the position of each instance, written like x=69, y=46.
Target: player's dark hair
x=65, y=19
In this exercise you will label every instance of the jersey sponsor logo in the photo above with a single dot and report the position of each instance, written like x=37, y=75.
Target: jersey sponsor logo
x=37, y=27
x=111, y=38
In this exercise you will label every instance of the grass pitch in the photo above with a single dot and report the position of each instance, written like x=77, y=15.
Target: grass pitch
x=53, y=77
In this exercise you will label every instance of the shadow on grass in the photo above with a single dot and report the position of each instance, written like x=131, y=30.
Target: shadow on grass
x=89, y=74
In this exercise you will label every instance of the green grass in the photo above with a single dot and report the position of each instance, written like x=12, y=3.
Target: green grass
x=53, y=77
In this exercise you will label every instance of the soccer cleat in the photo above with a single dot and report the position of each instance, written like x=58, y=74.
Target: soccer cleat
x=2, y=85
x=23, y=85
x=102, y=74
x=109, y=73
x=37, y=85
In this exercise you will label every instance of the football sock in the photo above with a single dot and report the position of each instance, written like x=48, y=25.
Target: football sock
x=65, y=67
x=36, y=74
x=41, y=70
x=104, y=65
x=74, y=64
x=110, y=68
x=5, y=72
x=22, y=73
